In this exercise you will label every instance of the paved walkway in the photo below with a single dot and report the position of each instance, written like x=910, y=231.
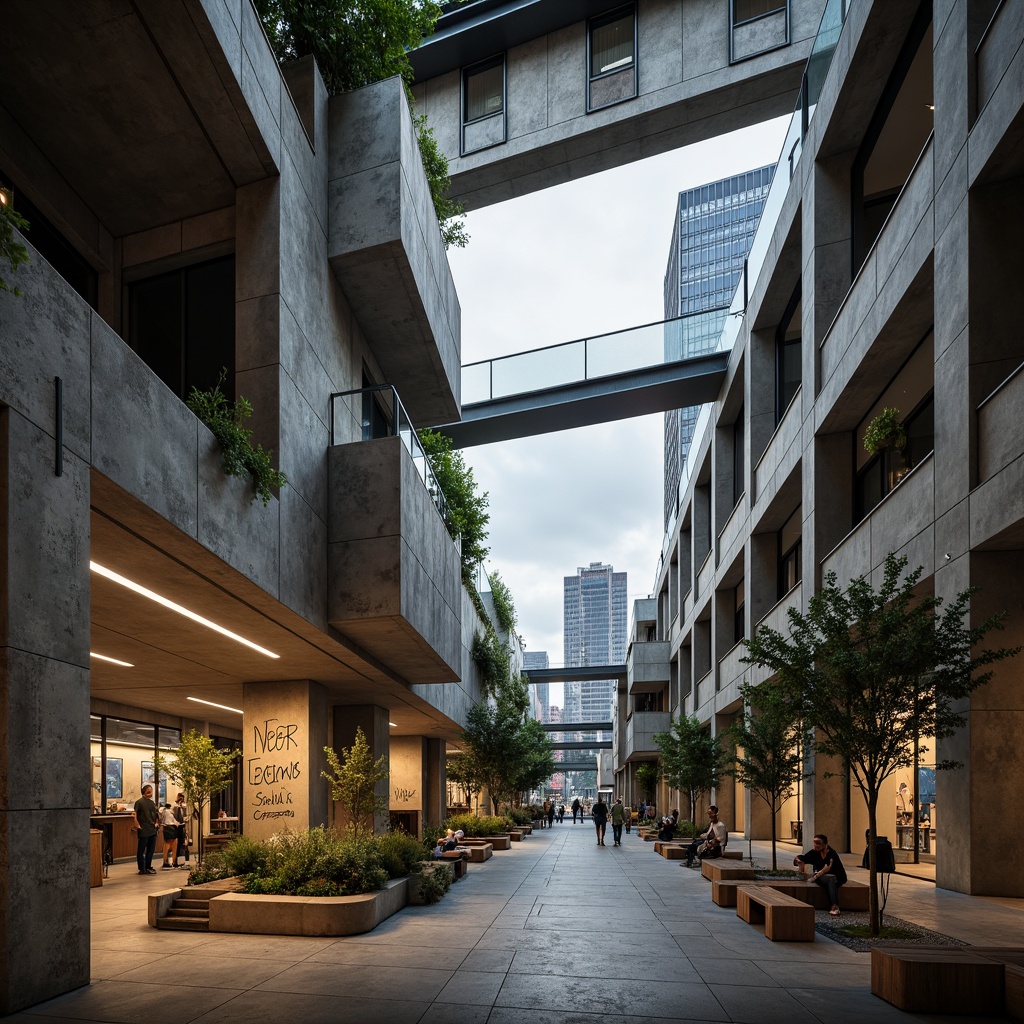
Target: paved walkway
x=554, y=931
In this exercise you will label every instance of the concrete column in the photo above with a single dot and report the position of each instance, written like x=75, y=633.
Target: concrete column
x=989, y=747
x=435, y=782
x=725, y=791
x=408, y=790
x=45, y=797
x=284, y=732
x=373, y=721
x=825, y=805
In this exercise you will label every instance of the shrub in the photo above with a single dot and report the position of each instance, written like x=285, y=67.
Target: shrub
x=400, y=853
x=521, y=815
x=474, y=825
x=431, y=835
x=245, y=856
x=213, y=869
x=434, y=884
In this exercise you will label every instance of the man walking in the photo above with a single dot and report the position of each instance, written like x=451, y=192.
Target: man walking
x=575, y=809
x=618, y=819
x=599, y=812
x=145, y=817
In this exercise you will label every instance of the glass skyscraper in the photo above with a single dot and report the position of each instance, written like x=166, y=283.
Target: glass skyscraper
x=714, y=228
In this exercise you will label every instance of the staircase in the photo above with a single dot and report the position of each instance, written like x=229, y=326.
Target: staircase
x=188, y=914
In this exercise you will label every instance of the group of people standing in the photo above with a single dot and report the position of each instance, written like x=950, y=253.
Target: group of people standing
x=148, y=820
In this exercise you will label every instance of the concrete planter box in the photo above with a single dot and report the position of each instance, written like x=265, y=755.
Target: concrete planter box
x=516, y=836
x=307, y=915
x=499, y=842
x=478, y=852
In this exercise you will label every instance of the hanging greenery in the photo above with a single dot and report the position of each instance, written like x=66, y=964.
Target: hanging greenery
x=492, y=657
x=504, y=606
x=12, y=252
x=240, y=457
x=885, y=431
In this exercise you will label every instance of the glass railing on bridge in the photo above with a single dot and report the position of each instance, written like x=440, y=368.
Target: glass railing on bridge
x=586, y=359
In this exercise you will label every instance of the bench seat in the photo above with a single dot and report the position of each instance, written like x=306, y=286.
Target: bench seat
x=785, y=919
x=479, y=852
x=716, y=870
x=852, y=895
x=938, y=979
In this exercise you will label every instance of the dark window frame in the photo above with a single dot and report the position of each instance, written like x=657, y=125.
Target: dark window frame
x=599, y=21
x=734, y=24
x=781, y=344
x=781, y=5
x=470, y=69
x=739, y=487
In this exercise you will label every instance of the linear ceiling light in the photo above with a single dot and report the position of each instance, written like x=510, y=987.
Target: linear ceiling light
x=113, y=661
x=101, y=570
x=223, y=707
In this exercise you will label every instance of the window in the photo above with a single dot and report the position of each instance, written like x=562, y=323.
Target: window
x=788, y=368
x=739, y=630
x=885, y=470
x=790, y=539
x=737, y=459
x=483, y=104
x=747, y=10
x=611, y=58
x=182, y=324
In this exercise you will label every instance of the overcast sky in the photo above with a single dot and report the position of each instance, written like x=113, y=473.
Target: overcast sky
x=579, y=259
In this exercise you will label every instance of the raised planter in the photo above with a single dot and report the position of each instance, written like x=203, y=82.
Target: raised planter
x=501, y=842
x=307, y=915
x=516, y=836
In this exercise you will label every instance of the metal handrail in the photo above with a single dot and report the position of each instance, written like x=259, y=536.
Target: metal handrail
x=401, y=425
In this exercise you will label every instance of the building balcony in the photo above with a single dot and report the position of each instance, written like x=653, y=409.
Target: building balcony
x=903, y=522
x=731, y=670
x=733, y=532
x=776, y=618
x=781, y=454
x=641, y=728
x=647, y=668
x=386, y=251
x=394, y=574
x=705, y=691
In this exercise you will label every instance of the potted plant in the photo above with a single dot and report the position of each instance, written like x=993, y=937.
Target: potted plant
x=885, y=431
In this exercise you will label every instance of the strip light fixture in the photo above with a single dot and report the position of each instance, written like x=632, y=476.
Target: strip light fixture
x=102, y=570
x=223, y=707
x=113, y=661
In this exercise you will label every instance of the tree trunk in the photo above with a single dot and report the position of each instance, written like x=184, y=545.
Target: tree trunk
x=775, y=865
x=873, y=863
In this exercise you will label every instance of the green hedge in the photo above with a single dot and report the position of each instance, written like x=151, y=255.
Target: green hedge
x=482, y=825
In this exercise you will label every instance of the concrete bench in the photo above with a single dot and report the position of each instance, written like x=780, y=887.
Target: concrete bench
x=478, y=852
x=785, y=919
x=716, y=870
x=501, y=842
x=459, y=860
x=938, y=979
x=852, y=895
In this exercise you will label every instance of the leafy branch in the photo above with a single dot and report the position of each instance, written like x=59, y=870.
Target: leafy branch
x=239, y=454
x=12, y=252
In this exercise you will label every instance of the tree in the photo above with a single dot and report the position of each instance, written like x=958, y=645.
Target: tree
x=356, y=43
x=467, y=513
x=770, y=741
x=200, y=770
x=692, y=760
x=353, y=778
x=647, y=775
x=872, y=671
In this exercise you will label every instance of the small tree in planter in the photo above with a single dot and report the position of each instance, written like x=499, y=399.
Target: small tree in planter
x=647, y=775
x=201, y=770
x=353, y=778
x=885, y=431
x=693, y=760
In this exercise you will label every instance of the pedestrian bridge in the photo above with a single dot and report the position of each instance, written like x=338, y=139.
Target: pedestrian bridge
x=592, y=380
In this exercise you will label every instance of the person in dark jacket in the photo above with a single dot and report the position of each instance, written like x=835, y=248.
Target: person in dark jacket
x=826, y=869
x=599, y=812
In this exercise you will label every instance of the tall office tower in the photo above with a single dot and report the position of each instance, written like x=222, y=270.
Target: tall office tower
x=594, y=633
x=712, y=234
x=539, y=696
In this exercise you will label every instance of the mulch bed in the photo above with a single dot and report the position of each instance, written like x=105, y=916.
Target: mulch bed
x=829, y=926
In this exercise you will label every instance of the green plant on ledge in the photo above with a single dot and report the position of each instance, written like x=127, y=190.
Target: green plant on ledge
x=235, y=440
x=11, y=252
x=885, y=431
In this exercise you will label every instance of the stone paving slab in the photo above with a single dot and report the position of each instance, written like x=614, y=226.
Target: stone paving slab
x=554, y=931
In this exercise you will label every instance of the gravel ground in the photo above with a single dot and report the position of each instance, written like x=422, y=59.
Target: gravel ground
x=829, y=926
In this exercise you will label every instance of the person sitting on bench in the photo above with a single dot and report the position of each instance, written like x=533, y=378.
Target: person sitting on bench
x=826, y=869
x=711, y=843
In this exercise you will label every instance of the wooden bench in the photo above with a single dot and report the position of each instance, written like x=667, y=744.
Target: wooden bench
x=478, y=852
x=784, y=918
x=852, y=895
x=459, y=860
x=1014, y=986
x=938, y=979
x=716, y=871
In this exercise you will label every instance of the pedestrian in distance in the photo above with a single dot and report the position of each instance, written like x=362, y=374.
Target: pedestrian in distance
x=561, y=814
x=599, y=812
x=618, y=820
x=576, y=810
x=551, y=814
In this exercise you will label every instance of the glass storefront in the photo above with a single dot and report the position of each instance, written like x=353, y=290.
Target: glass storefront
x=123, y=757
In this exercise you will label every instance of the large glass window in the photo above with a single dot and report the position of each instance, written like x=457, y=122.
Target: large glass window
x=183, y=325
x=611, y=58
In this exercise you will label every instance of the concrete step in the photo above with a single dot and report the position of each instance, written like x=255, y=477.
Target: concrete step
x=186, y=903
x=195, y=912
x=184, y=924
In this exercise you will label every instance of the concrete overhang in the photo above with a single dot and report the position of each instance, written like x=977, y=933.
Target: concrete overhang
x=138, y=107
x=386, y=250
x=615, y=397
